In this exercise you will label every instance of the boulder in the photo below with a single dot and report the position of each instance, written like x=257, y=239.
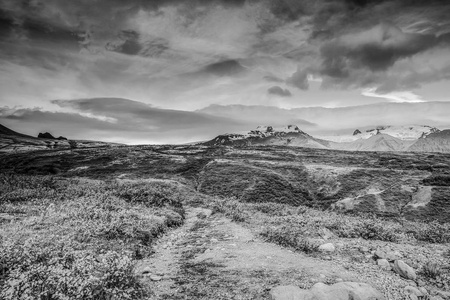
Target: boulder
x=328, y=247
x=401, y=268
x=321, y=291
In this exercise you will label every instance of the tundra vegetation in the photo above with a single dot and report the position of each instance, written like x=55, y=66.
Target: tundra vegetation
x=74, y=223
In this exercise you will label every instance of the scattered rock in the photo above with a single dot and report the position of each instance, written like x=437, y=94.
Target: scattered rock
x=413, y=290
x=146, y=271
x=155, y=278
x=384, y=264
x=379, y=254
x=321, y=291
x=393, y=255
x=364, y=249
x=328, y=247
x=401, y=268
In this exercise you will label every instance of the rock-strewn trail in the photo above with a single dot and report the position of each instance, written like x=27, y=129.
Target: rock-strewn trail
x=212, y=257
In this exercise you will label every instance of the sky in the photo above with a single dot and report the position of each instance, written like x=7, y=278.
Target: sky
x=176, y=71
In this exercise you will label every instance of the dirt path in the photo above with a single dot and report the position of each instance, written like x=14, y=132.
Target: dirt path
x=212, y=257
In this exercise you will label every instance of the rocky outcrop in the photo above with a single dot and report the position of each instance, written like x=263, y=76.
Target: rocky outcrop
x=321, y=291
x=49, y=136
x=46, y=135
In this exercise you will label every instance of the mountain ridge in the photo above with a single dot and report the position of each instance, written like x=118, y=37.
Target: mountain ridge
x=412, y=138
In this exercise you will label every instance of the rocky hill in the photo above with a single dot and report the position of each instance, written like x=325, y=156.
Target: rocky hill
x=434, y=142
x=290, y=135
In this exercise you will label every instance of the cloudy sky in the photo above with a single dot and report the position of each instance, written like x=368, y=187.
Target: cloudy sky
x=174, y=71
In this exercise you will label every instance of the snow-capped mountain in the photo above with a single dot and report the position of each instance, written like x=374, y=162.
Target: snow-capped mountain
x=378, y=142
x=382, y=138
x=268, y=135
x=411, y=132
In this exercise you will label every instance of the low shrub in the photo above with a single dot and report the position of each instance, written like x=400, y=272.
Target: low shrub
x=289, y=236
x=437, y=180
x=433, y=232
x=57, y=271
x=369, y=228
x=83, y=242
x=431, y=270
x=231, y=208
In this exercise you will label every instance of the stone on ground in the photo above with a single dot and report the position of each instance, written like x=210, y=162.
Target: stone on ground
x=328, y=247
x=321, y=291
x=401, y=268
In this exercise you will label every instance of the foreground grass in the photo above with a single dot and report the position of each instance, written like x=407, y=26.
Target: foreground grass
x=79, y=239
x=285, y=220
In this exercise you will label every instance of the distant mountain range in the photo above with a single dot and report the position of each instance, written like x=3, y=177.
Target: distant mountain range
x=414, y=138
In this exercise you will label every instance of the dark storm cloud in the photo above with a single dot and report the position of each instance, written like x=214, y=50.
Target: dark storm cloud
x=376, y=49
x=299, y=79
x=272, y=78
x=276, y=90
x=225, y=68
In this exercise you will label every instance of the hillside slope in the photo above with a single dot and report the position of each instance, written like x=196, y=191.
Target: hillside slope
x=434, y=142
x=379, y=142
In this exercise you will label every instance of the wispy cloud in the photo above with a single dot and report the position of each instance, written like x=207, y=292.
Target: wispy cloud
x=400, y=96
